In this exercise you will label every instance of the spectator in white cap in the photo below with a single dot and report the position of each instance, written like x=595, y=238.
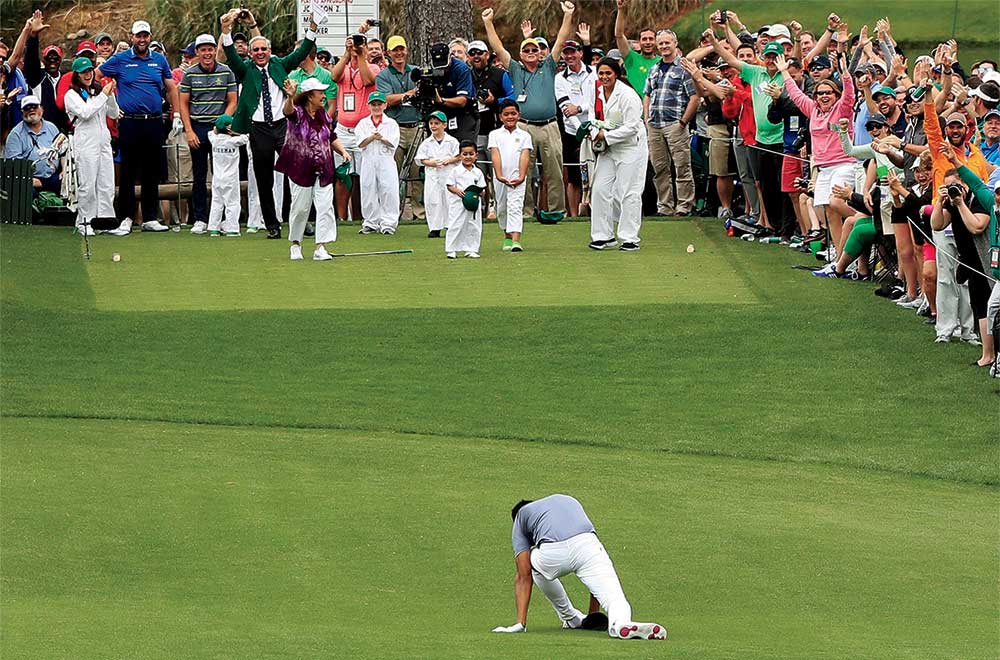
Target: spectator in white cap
x=143, y=78
x=307, y=160
x=32, y=140
x=207, y=91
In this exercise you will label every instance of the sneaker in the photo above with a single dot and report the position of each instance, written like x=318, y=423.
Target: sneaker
x=515, y=246
x=320, y=254
x=972, y=340
x=214, y=232
x=199, y=227
x=388, y=231
x=910, y=303
x=629, y=247
x=434, y=233
x=253, y=230
x=154, y=225
x=232, y=234
x=85, y=230
x=124, y=229
x=641, y=631
x=471, y=255
x=452, y=255
x=575, y=623
x=367, y=230
x=814, y=235
x=508, y=244
x=725, y=213
x=829, y=270
x=603, y=245
x=295, y=253
x=942, y=339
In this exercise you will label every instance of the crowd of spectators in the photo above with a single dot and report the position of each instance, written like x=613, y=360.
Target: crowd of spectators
x=881, y=163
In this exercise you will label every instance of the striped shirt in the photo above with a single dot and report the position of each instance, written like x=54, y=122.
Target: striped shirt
x=669, y=87
x=208, y=90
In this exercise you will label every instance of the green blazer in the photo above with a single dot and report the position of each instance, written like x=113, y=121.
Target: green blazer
x=248, y=74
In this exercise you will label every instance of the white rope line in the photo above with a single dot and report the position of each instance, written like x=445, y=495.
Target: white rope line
x=955, y=259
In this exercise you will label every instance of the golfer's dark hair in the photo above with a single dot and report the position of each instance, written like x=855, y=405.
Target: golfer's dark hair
x=510, y=103
x=615, y=66
x=517, y=507
x=467, y=143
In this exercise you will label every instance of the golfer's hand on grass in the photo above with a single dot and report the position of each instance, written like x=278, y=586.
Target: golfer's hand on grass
x=516, y=628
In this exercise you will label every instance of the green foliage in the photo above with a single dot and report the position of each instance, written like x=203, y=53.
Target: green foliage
x=178, y=22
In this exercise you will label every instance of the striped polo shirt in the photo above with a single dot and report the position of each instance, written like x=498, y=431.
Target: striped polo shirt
x=208, y=90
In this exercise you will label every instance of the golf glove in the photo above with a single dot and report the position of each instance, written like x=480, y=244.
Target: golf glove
x=177, y=128
x=516, y=628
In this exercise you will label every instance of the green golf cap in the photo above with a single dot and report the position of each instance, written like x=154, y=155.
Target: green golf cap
x=223, y=122
x=437, y=114
x=883, y=90
x=774, y=48
x=470, y=200
x=583, y=131
x=82, y=64
x=549, y=217
x=376, y=97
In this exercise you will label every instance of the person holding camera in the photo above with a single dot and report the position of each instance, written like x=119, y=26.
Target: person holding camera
x=493, y=87
x=355, y=78
x=396, y=82
x=260, y=107
x=455, y=93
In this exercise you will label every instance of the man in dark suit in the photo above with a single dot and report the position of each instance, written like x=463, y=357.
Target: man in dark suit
x=258, y=110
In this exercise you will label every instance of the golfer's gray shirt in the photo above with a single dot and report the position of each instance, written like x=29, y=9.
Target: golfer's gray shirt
x=550, y=519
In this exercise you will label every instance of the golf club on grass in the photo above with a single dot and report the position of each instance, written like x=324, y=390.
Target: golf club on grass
x=369, y=254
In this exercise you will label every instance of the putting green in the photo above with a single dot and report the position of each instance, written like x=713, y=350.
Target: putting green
x=133, y=539
x=164, y=272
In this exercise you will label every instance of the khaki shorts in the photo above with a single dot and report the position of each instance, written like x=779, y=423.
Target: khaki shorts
x=178, y=159
x=718, y=150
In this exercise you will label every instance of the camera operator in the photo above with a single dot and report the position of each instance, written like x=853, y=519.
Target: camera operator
x=396, y=82
x=493, y=87
x=454, y=93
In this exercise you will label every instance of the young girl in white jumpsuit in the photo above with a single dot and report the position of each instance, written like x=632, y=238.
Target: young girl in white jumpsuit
x=378, y=138
x=438, y=155
x=225, y=177
x=619, y=174
x=89, y=105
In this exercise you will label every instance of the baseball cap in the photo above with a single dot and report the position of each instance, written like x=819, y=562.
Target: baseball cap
x=51, y=49
x=773, y=48
x=82, y=64
x=395, y=42
x=992, y=113
x=991, y=76
x=437, y=114
x=878, y=64
x=530, y=41
x=311, y=85
x=571, y=44
x=203, y=39
x=86, y=47
x=223, y=122
x=783, y=40
x=157, y=44
x=30, y=99
x=883, y=91
x=615, y=54
x=374, y=97
x=478, y=45
x=956, y=118
x=141, y=26
x=820, y=62
x=597, y=51
x=239, y=36
x=189, y=50
x=101, y=36
x=878, y=119
x=778, y=30
x=542, y=42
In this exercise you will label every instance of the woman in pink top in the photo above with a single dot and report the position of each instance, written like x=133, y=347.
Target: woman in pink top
x=836, y=168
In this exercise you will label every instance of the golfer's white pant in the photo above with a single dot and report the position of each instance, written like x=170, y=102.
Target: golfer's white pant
x=584, y=555
x=510, y=206
x=436, y=202
x=255, y=217
x=993, y=308
x=622, y=182
x=379, y=192
x=302, y=199
x=954, y=313
x=225, y=200
x=95, y=178
x=465, y=229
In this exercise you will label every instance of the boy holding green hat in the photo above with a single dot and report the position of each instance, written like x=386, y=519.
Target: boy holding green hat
x=466, y=184
x=225, y=177
x=437, y=154
x=378, y=137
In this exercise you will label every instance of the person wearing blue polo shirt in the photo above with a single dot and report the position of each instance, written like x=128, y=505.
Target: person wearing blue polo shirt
x=142, y=77
x=32, y=140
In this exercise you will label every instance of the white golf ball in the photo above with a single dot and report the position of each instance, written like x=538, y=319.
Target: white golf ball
x=116, y=257
x=690, y=249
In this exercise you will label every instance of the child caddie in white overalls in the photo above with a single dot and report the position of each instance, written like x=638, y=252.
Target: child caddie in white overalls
x=437, y=154
x=465, y=216
x=510, y=150
x=378, y=137
x=225, y=177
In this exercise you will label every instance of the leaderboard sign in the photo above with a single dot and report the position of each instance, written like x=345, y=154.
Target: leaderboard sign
x=337, y=19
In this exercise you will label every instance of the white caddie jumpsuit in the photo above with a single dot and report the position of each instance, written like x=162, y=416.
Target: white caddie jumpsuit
x=225, y=181
x=379, y=179
x=619, y=175
x=435, y=178
x=465, y=227
x=95, y=165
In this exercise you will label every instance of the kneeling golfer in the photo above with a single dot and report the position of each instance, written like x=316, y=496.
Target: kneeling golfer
x=553, y=537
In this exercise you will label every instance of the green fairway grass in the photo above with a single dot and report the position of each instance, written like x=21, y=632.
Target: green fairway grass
x=209, y=451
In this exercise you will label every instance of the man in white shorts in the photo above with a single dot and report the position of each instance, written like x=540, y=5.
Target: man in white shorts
x=553, y=537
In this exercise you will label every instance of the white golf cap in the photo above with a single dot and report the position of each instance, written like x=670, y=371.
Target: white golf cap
x=479, y=45
x=778, y=30
x=311, y=85
x=979, y=93
x=203, y=39
x=30, y=99
x=141, y=26
x=992, y=76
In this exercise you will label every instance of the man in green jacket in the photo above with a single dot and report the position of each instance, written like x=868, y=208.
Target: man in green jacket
x=259, y=108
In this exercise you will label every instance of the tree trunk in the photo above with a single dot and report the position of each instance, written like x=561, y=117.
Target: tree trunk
x=431, y=21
